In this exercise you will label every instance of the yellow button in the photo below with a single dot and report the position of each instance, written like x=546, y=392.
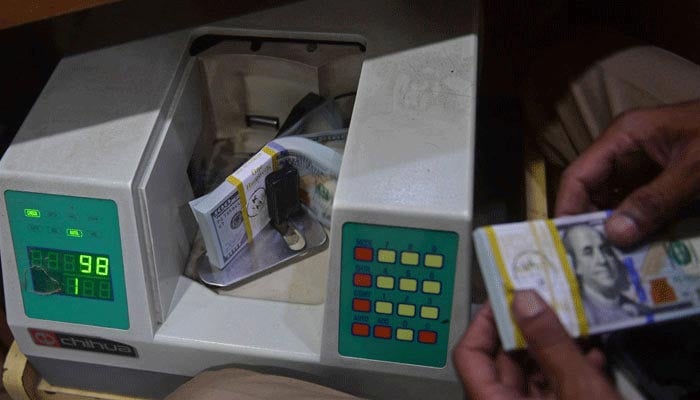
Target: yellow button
x=385, y=282
x=409, y=258
x=404, y=334
x=386, y=256
x=408, y=285
x=433, y=260
x=383, y=307
x=431, y=287
x=406, y=310
x=429, y=312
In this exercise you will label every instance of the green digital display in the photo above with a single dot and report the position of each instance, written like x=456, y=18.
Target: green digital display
x=68, y=256
x=70, y=273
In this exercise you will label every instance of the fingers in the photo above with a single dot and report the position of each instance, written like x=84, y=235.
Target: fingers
x=597, y=359
x=592, y=170
x=547, y=340
x=488, y=372
x=557, y=354
x=580, y=180
x=474, y=354
x=648, y=207
x=666, y=137
x=509, y=371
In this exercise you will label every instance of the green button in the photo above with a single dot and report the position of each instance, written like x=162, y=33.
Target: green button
x=385, y=282
x=383, y=307
x=386, y=256
x=404, y=334
x=433, y=260
x=408, y=285
x=409, y=258
x=428, y=312
x=32, y=213
x=406, y=310
x=77, y=233
x=431, y=287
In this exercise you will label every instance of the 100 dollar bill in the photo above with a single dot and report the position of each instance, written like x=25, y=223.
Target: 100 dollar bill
x=230, y=216
x=593, y=286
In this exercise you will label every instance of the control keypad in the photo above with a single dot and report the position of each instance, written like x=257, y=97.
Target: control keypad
x=397, y=283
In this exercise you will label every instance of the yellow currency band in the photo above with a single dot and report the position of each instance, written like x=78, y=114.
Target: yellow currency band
x=273, y=154
x=507, y=284
x=244, y=205
x=538, y=244
x=570, y=278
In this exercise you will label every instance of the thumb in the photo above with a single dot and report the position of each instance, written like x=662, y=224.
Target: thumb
x=547, y=340
x=566, y=368
x=650, y=206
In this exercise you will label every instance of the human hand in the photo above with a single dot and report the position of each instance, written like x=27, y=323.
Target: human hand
x=488, y=373
x=660, y=143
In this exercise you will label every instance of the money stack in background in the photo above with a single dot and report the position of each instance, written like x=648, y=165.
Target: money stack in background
x=593, y=286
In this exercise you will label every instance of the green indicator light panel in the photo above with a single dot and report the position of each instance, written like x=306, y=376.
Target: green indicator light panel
x=396, y=293
x=63, y=279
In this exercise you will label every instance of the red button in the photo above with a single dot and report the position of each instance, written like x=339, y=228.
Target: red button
x=364, y=280
x=363, y=305
x=363, y=254
x=429, y=337
x=360, y=329
x=383, y=332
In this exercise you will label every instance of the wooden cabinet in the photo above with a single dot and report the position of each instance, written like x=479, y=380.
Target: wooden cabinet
x=18, y=12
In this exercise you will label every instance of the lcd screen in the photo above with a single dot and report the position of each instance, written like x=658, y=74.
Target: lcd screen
x=70, y=273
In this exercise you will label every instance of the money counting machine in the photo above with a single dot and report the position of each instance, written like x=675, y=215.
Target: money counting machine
x=96, y=231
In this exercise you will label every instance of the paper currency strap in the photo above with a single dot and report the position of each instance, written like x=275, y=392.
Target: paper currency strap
x=571, y=279
x=569, y=275
x=508, y=286
x=541, y=231
x=244, y=205
x=274, y=152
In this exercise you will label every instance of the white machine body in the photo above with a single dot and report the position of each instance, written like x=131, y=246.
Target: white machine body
x=114, y=131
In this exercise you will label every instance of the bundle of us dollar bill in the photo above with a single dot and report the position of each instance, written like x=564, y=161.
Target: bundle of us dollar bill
x=593, y=286
x=230, y=216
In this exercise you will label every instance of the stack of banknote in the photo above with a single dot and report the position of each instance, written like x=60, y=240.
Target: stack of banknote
x=593, y=286
x=230, y=216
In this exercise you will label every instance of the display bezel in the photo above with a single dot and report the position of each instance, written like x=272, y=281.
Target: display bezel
x=70, y=223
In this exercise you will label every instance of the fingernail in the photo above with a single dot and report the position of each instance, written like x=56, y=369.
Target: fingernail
x=622, y=226
x=527, y=304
